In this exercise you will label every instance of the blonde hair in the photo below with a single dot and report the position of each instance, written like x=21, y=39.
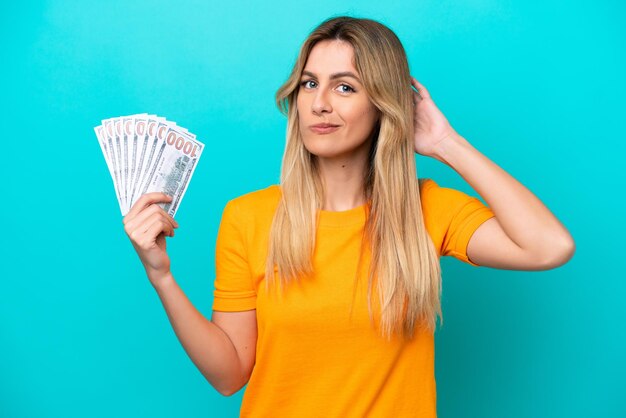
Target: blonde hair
x=404, y=262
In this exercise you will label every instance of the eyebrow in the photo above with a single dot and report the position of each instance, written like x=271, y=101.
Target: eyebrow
x=335, y=75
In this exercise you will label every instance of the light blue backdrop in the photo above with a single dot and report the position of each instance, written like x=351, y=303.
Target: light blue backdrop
x=538, y=87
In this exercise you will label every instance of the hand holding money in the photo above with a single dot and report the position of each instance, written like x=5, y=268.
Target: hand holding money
x=146, y=153
x=147, y=225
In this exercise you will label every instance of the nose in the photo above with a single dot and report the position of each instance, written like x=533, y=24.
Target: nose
x=321, y=104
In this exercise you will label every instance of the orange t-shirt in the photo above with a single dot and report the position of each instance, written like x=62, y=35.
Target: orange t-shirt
x=314, y=357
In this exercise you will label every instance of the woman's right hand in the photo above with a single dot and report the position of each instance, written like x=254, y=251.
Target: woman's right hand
x=147, y=225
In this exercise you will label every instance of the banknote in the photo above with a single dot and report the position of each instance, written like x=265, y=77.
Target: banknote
x=140, y=132
x=142, y=165
x=146, y=153
x=106, y=148
x=130, y=145
x=114, y=154
x=173, y=166
x=119, y=140
x=153, y=148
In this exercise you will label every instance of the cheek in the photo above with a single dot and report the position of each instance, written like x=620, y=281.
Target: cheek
x=303, y=101
x=365, y=118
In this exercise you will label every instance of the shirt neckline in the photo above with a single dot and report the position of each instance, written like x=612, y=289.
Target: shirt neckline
x=350, y=217
x=354, y=216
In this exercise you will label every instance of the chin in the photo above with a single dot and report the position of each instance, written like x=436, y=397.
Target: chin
x=322, y=150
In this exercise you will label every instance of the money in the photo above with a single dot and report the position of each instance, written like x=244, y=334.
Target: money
x=146, y=153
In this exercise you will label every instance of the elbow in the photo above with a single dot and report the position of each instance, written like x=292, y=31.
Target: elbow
x=228, y=391
x=231, y=385
x=560, y=254
x=232, y=389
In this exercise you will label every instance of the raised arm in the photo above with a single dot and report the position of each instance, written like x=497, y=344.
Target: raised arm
x=524, y=235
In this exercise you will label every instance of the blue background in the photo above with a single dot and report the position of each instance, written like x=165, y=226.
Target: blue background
x=538, y=87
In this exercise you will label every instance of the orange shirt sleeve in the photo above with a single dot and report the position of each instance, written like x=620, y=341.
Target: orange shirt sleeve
x=234, y=290
x=451, y=218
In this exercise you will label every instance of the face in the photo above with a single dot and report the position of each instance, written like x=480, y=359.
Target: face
x=335, y=114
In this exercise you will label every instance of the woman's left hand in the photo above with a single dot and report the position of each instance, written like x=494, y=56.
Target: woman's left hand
x=430, y=125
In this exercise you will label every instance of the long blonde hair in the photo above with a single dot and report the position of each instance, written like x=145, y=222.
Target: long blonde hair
x=404, y=262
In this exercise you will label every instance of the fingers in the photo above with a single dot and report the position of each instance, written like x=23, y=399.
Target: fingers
x=146, y=220
x=422, y=92
x=141, y=217
x=145, y=201
x=138, y=226
x=157, y=227
x=145, y=234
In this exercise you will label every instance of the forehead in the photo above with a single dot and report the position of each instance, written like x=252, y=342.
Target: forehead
x=330, y=56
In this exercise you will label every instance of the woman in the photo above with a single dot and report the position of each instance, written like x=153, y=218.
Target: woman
x=328, y=285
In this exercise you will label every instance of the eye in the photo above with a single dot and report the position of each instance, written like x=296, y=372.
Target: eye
x=344, y=88
x=308, y=84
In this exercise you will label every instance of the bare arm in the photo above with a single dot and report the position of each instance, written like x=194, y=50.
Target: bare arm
x=524, y=235
x=224, y=353
x=208, y=346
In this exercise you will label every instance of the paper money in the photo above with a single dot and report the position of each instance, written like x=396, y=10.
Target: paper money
x=146, y=153
x=106, y=151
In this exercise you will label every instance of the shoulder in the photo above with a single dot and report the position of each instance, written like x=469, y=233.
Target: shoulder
x=435, y=197
x=444, y=207
x=429, y=187
x=426, y=184
x=265, y=196
x=429, y=196
x=256, y=204
x=430, y=193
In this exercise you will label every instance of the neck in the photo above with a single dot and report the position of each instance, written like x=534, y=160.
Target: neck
x=343, y=183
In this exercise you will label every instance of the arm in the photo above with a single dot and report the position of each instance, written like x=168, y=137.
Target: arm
x=524, y=235
x=221, y=352
x=208, y=345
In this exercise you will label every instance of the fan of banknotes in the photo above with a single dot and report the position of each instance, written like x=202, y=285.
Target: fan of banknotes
x=146, y=153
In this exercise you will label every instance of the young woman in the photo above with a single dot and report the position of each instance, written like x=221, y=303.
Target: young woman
x=328, y=285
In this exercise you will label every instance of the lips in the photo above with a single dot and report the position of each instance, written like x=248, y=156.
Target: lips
x=323, y=128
